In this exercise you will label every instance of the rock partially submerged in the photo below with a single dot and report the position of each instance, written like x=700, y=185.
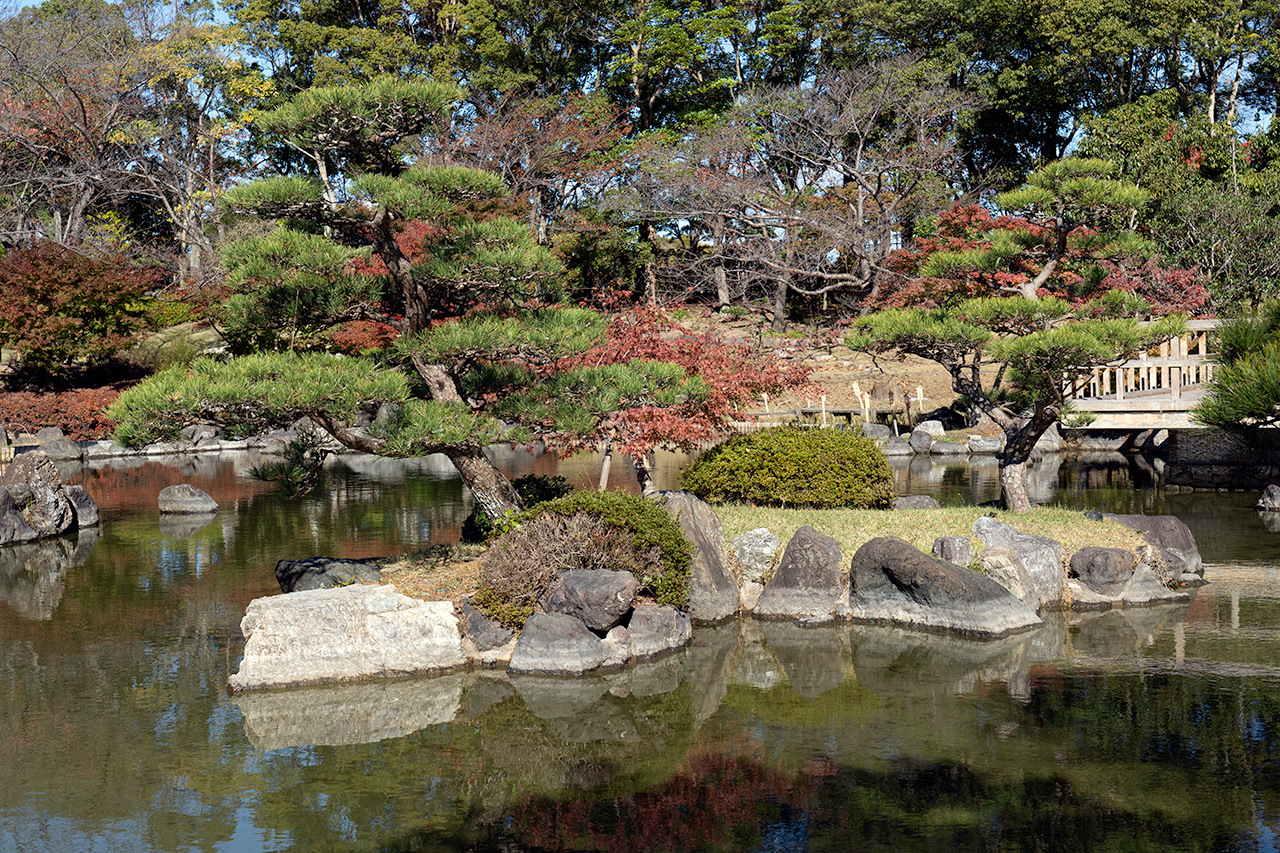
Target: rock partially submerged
x=185, y=498
x=892, y=582
x=325, y=573
x=713, y=593
x=807, y=585
x=34, y=504
x=1178, y=550
x=345, y=634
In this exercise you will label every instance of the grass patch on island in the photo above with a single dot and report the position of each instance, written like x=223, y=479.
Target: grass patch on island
x=852, y=528
x=437, y=573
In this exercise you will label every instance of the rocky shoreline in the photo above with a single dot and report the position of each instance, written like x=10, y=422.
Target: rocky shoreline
x=334, y=628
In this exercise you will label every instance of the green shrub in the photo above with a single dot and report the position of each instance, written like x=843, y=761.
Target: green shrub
x=583, y=530
x=799, y=467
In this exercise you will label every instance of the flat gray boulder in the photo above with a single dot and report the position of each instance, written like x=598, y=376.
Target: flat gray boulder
x=1041, y=556
x=325, y=573
x=345, y=634
x=599, y=597
x=807, y=585
x=890, y=582
x=713, y=593
x=871, y=430
x=656, y=630
x=949, y=448
x=984, y=446
x=1173, y=538
x=185, y=498
x=556, y=644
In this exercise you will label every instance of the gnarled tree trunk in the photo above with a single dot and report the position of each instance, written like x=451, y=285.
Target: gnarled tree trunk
x=492, y=490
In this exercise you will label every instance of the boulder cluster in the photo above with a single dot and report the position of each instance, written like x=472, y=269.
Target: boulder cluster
x=34, y=504
x=335, y=627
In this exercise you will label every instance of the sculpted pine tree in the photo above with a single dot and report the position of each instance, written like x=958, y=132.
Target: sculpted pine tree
x=1016, y=359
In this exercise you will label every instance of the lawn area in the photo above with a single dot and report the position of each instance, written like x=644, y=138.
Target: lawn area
x=854, y=527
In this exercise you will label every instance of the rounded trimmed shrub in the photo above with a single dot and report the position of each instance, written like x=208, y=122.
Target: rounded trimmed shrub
x=795, y=466
x=594, y=530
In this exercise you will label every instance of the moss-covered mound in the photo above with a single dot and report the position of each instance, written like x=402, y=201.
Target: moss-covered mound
x=584, y=530
x=794, y=467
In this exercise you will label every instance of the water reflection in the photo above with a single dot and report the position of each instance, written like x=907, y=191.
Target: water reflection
x=1153, y=728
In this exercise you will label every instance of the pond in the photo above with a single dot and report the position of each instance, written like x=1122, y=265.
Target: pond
x=1146, y=729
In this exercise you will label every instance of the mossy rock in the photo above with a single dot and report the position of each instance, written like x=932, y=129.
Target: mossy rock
x=795, y=467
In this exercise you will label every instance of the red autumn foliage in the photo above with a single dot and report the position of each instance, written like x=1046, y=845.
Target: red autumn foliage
x=967, y=227
x=57, y=305
x=414, y=238
x=715, y=800
x=78, y=412
x=735, y=374
x=358, y=336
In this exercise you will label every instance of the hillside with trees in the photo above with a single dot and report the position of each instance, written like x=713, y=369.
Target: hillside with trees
x=486, y=207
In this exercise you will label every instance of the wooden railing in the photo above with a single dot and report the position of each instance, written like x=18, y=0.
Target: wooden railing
x=1166, y=378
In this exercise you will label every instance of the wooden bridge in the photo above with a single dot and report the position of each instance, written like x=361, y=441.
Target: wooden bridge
x=1155, y=390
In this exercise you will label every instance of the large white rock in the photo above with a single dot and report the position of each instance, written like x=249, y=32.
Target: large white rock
x=345, y=634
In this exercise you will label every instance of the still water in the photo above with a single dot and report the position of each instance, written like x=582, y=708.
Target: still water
x=1146, y=729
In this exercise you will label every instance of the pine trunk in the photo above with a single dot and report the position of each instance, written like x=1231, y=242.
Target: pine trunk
x=491, y=489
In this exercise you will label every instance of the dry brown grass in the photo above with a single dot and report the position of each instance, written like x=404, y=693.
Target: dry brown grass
x=853, y=528
x=439, y=573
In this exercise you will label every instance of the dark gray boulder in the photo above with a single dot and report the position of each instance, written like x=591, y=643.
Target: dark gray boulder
x=920, y=441
x=83, y=505
x=185, y=498
x=892, y=582
x=916, y=502
x=1041, y=556
x=556, y=644
x=599, y=597
x=62, y=450
x=713, y=593
x=38, y=493
x=984, y=446
x=13, y=526
x=1173, y=538
x=1106, y=571
x=808, y=584
x=956, y=550
x=948, y=448
x=325, y=573
x=483, y=632
x=656, y=630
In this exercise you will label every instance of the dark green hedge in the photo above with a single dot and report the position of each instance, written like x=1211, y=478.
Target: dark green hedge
x=794, y=466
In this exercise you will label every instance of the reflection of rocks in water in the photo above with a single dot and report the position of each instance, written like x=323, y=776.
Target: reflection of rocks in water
x=1112, y=633
x=349, y=713
x=892, y=661
x=814, y=659
x=576, y=709
x=184, y=525
x=550, y=697
x=86, y=539
x=648, y=678
x=485, y=689
x=1270, y=520
x=708, y=665
x=924, y=472
x=33, y=575
x=757, y=667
